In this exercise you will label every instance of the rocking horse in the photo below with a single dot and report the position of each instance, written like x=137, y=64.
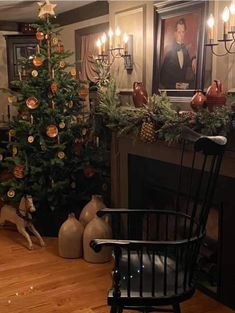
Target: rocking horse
x=22, y=218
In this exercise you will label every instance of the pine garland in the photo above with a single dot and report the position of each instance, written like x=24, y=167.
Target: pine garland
x=129, y=119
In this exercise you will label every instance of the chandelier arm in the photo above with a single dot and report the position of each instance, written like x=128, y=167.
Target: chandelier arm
x=217, y=54
x=229, y=49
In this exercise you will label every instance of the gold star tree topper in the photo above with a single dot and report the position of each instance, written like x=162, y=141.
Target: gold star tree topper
x=46, y=8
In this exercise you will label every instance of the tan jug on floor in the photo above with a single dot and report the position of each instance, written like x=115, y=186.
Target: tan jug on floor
x=90, y=209
x=70, y=238
x=98, y=228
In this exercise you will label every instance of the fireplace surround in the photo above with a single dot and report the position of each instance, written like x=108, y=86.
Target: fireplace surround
x=140, y=172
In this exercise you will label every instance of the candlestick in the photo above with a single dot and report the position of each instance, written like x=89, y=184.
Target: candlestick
x=98, y=44
x=225, y=17
x=232, y=20
x=97, y=141
x=38, y=49
x=20, y=76
x=211, y=23
x=31, y=119
x=110, y=38
x=125, y=42
x=103, y=40
x=117, y=37
x=53, y=73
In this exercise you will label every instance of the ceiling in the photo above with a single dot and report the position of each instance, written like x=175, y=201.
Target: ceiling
x=27, y=11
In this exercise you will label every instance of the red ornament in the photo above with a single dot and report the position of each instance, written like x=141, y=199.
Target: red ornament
x=60, y=48
x=39, y=36
x=37, y=61
x=18, y=171
x=4, y=175
x=77, y=146
x=54, y=87
x=88, y=171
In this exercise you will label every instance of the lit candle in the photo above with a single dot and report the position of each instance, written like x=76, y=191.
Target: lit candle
x=117, y=37
x=211, y=23
x=225, y=17
x=20, y=76
x=97, y=141
x=103, y=40
x=98, y=45
x=125, y=43
x=232, y=20
x=110, y=38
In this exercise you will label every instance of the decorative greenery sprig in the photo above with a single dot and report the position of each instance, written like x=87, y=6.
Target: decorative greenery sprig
x=169, y=122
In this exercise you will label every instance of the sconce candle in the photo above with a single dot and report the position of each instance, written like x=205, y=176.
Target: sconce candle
x=98, y=44
x=125, y=42
x=110, y=38
x=103, y=40
x=117, y=37
x=232, y=20
x=225, y=17
x=211, y=23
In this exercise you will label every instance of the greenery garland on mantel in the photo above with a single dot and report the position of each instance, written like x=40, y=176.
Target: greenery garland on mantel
x=157, y=113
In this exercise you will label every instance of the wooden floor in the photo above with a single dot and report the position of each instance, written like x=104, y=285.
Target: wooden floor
x=39, y=281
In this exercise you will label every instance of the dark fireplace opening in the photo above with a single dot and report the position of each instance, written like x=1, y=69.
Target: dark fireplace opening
x=152, y=184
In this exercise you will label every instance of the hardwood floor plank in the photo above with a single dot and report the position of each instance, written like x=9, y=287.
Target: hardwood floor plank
x=39, y=281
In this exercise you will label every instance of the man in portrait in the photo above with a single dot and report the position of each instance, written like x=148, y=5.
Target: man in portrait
x=178, y=69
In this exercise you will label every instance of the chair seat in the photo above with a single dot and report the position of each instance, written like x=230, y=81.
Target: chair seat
x=147, y=280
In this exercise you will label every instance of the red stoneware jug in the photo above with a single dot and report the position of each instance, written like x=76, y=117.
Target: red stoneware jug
x=198, y=100
x=215, y=95
x=140, y=96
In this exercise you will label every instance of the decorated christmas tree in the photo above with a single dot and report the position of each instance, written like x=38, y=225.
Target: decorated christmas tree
x=53, y=152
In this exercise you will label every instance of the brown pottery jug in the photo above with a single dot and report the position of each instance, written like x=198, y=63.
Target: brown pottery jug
x=90, y=209
x=140, y=96
x=215, y=95
x=70, y=238
x=98, y=228
x=198, y=100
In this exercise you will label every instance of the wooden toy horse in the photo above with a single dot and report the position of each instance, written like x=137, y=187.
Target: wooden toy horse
x=22, y=218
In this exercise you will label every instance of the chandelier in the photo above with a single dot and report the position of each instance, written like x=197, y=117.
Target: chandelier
x=114, y=46
x=228, y=36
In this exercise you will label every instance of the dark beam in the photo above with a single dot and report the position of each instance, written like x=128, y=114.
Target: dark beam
x=9, y=26
x=83, y=13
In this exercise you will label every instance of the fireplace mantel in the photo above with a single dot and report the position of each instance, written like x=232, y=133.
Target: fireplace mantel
x=124, y=146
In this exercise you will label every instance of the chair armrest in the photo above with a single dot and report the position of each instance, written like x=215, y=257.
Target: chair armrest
x=96, y=244
x=119, y=211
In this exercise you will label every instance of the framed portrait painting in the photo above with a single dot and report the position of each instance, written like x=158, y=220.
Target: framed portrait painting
x=179, y=48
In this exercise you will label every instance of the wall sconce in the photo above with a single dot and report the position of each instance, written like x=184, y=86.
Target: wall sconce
x=228, y=17
x=117, y=48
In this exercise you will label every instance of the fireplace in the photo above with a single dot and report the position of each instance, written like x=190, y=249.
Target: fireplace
x=143, y=176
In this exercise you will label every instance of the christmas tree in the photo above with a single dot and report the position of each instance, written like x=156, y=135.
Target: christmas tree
x=53, y=151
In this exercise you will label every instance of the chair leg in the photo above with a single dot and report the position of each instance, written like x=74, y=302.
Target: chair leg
x=176, y=308
x=116, y=309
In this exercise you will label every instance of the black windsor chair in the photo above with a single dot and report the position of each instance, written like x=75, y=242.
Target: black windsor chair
x=156, y=251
